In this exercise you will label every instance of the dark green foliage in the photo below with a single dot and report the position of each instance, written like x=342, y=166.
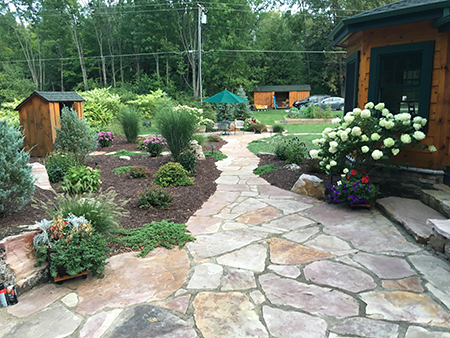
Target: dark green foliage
x=155, y=234
x=16, y=181
x=173, y=174
x=58, y=164
x=240, y=111
x=154, y=196
x=131, y=121
x=124, y=152
x=188, y=160
x=265, y=169
x=74, y=136
x=279, y=148
x=121, y=170
x=215, y=154
x=139, y=171
x=278, y=128
x=103, y=209
x=296, y=151
x=214, y=138
x=177, y=127
x=80, y=180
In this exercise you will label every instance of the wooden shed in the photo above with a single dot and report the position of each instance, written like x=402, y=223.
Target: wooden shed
x=285, y=96
x=399, y=54
x=39, y=115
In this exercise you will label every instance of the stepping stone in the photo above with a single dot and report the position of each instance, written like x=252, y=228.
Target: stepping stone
x=406, y=284
x=293, y=324
x=301, y=236
x=237, y=279
x=285, y=270
x=288, y=206
x=438, y=200
x=97, y=325
x=288, y=223
x=420, y=332
x=145, y=321
x=366, y=327
x=339, y=275
x=411, y=214
x=206, y=276
x=179, y=304
x=331, y=244
x=40, y=173
x=252, y=257
x=290, y=253
x=310, y=298
x=385, y=267
x=225, y=315
x=259, y=216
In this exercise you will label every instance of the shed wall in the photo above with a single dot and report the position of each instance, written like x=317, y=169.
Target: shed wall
x=438, y=127
x=266, y=98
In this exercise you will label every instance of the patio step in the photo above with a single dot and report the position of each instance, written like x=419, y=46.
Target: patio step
x=437, y=199
x=411, y=214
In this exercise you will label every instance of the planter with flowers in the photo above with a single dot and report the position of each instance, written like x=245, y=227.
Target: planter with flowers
x=154, y=145
x=105, y=138
x=362, y=140
x=71, y=246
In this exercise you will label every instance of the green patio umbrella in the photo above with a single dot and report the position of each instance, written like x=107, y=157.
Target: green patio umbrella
x=225, y=97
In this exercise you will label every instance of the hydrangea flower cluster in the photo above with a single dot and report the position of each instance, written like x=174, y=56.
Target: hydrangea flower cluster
x=367, y=135
x=153, y=144
x=105, y=138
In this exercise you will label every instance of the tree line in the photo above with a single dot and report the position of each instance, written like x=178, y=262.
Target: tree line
x=143, y=45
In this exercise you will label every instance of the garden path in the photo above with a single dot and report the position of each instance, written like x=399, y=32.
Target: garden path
x=266, y=263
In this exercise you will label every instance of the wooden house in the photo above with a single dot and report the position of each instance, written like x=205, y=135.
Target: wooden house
x=399, y=54
x=285, y=96
x=39, y=115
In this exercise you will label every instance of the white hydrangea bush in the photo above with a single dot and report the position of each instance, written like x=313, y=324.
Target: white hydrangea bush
x=367, y=138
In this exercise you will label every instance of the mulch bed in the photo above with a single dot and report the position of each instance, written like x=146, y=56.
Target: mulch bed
x=187, y=199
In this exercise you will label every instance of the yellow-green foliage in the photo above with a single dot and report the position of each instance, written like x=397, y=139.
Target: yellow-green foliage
x=101, y=107
x=7, y=112
x=173, y=174
x=151, y=103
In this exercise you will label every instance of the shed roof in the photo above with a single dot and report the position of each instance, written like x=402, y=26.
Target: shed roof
x=293, y=88
x=54, y=97
x=396, y=13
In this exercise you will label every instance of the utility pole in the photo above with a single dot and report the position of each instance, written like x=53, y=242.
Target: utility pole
x=200, y=21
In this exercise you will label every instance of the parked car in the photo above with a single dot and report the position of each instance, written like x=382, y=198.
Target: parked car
x=313, y=99
x=335, y=103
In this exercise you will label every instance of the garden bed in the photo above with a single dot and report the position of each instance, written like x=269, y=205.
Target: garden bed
x=187, y=199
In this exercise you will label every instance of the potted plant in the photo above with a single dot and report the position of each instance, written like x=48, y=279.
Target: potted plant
x=71, y=246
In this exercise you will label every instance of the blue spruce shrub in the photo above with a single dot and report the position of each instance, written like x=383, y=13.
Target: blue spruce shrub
x=74, y=136
x=16, y=180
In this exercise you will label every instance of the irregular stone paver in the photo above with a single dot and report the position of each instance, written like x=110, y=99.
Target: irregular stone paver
x=145, y=321
x=436, y=271
x=405, y=306
x=289, y=253
x=49, y=319
x=179, y=304
x=206, y=276
x=259, y=216
x=288, y=223
x=385, y=267
x=40, y=173
x=252, y=257
x=407, y=284
x=442, y=296
x=249, y=205
x=301, y=236
x=37, y=299
x=232, y=187
x=70, y=300
x=213, y=245
x=285, y=270
x=333, y=245
x=270, y=190
x=217, y=202
x=335, y=214
x=203, y=225
x=339, y=275
x=156, y=277
x=227, y=315
x=227, y=180
x=365, y=327
x=310, y=298
x=293, y=324
x=232, y=225
x=97, y=325
x=239, y=280
x=288, y=206
x=419, y=332
x=257, y=297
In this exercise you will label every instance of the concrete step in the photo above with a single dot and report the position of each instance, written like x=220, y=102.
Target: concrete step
x=411, y=214
x=437, y=199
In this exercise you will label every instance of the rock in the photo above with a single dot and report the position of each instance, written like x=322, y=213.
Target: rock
x=292, y=167
x=309, y=185
x=197, y=150
x=365, y=327
x=127, y=158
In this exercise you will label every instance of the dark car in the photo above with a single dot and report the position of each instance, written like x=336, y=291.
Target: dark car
x=313, y=99
x=335, y=103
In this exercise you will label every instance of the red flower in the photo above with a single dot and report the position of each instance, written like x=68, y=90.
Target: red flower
x=365, y=179
x=364, y=171
x=353, y=172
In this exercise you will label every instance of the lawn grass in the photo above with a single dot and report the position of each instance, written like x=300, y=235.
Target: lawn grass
x=264, y=145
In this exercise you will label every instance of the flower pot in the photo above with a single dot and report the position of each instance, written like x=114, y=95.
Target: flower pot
x=61, y=269
x=361, y=206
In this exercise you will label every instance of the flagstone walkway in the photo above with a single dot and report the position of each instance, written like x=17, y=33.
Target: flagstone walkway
x=266, y=263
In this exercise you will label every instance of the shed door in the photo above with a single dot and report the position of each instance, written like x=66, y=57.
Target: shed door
x=351, y=82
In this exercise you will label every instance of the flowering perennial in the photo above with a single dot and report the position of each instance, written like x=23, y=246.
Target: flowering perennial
x=153, y=144
x=105, y=138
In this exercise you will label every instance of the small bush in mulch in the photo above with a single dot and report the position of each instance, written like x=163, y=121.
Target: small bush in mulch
x=173, y=174
x=154, y=196
x=265, y=169
x=139, y=171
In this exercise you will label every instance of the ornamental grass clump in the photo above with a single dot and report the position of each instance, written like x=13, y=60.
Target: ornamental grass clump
x=105, y=138
x=154, y=145
x=367, y=137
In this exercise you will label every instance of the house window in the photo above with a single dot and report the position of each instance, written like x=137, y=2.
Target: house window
x=400, y=76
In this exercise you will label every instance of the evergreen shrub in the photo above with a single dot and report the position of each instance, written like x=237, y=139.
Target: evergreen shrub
x=74, y=136
x=16, y=180
x=173, y=174
x=188, y=160
x=154, y=196
x=139, y=171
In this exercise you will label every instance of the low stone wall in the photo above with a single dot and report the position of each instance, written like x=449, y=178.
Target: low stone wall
x=440, y=236
x=307, y=121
